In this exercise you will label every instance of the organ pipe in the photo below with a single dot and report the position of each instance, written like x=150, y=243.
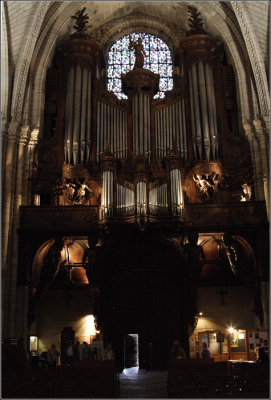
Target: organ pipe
x=78, y=116
x=88, y=130
x=170, y=125
x=107, y=194
x=69, y=116
x=197, y=109
x=125, y=200
x=203, y=111
x=158, y=200
x=141, y=124
x=111, y=129
x=77, y=108
x=82, y=142
x=203, y=101
x=141, y=192
x=176, y=192
x=212, y=109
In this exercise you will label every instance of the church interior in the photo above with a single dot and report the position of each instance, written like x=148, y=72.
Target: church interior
x=135, y=193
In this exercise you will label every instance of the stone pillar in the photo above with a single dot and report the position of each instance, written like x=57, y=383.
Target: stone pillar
x=8, y=194
x=258, y=182
x=12, y=295
x=264, y=160
x=29, y=160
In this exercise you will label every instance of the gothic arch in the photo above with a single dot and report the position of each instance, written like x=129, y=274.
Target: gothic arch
x=22, y=69
x=255, y=55
x=108, y=33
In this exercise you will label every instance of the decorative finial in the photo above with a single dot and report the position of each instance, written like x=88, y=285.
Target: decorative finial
x=195, y=22
x=81, y=20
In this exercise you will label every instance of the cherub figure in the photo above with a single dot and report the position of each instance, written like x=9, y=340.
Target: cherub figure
x=83, y=192
x=204, y=185
x=246, y=195
x=139, y=53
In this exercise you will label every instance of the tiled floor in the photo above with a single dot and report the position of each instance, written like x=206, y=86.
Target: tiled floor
x=142, y=384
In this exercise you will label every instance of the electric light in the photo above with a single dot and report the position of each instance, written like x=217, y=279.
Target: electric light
x=200, y=313
x=231, y=329
x=86, y=327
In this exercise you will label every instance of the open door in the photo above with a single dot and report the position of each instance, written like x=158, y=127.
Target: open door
x=67, y=334
x=131, y=357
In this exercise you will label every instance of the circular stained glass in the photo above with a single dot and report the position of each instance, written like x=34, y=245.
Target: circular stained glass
x=157, y=59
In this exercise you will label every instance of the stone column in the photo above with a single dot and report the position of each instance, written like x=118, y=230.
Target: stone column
x=13, y=299
x=254, y=148
x=29, y=160
x=8, y=194
x=264, y=159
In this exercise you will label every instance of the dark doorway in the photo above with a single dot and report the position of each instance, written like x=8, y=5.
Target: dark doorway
x=150, y=303
x=67, y=335
x=131, y=358
x=145, y=293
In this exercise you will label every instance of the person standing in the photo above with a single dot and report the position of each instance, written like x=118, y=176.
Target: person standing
x=52, y=356
x=176, y=352
x=70, y=353
x=108, y=352
x=205, y=352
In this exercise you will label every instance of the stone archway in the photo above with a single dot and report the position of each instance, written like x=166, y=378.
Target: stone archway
x=144, y=292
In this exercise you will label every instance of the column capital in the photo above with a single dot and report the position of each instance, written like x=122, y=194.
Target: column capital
x=34, y=137
x=23, y=134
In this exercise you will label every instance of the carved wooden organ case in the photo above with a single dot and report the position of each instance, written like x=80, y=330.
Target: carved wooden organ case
x=141, y=156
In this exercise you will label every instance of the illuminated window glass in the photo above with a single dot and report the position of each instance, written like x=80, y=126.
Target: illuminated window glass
x=157, y=59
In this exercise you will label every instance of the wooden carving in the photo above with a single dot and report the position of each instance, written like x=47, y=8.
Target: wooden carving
x=195, y=22
x=81, y=20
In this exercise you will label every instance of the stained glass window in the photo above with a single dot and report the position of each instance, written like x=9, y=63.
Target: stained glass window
x=157, y=59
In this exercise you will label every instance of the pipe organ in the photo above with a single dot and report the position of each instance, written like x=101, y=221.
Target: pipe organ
x=158, y=202
x=170, y=127
x=177, y=205
x=203, y=111
x=77, y=140
x=107, y=201
x=141, y=125
x=111, y=130
x=125, y=200
x=141, y=198
x=128, y=147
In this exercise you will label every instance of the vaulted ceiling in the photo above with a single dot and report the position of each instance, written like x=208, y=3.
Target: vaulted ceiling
x=32, y=30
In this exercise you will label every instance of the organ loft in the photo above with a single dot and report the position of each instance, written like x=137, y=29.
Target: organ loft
x=143, y=192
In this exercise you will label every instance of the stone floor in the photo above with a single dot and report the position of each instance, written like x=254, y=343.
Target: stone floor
x=142, y=384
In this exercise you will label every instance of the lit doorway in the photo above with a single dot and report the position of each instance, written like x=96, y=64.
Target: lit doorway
x=131, y=353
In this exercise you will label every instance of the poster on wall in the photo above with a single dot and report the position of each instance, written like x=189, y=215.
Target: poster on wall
x=233, y=339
